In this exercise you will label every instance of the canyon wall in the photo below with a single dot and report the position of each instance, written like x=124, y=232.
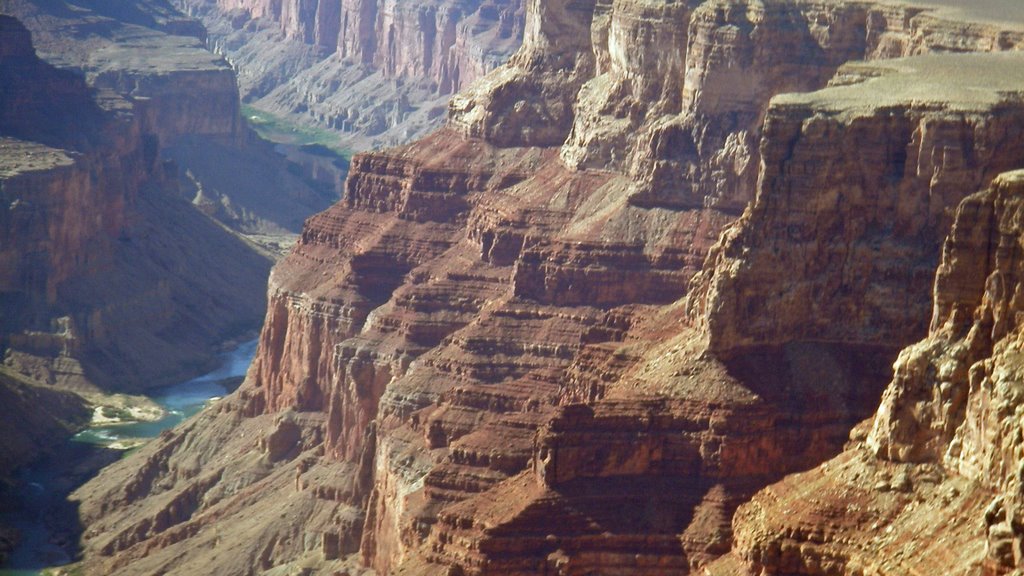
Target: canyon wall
x=131, y=252
x=930, y=483
x=662, y=258
x=447, y=43
x=860, y=230
x=377, y=72
x=110, y=279
x=188, y=103
x=113, y=136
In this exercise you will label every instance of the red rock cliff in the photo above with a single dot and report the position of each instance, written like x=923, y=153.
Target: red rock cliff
x=504, y=329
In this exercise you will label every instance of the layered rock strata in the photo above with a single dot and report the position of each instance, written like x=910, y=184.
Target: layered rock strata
x=506, y=328
x=145, y=50
x=107, y=299
x=108, y=280
x=127, y=119
x=378, y=72
x=939, y=453
x=859, y=230
x=188, y=102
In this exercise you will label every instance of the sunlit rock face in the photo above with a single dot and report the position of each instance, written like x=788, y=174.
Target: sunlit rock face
x=937, y=465
x=665, y=256
x=378, y=71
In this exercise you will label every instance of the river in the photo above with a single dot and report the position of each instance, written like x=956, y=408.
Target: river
x=43, y=489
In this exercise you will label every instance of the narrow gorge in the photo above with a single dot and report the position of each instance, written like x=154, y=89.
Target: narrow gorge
x=722, y=287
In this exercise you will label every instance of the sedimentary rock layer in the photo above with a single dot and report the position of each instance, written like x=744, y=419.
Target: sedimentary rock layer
x=507, y=327
x=847, y=223
x=108, y=278
x=451, y=44
x=932, y=478
x=378, y=71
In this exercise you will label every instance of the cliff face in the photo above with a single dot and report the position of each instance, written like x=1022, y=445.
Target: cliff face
x=146, y=51
x=402, y=40
x=524, y=345
x=847, y=225
x=378, y=71
x=127, y=116
x=447, y=43
x=102, y=288
x=111, y=280
x=937, y=466
x=187, y=102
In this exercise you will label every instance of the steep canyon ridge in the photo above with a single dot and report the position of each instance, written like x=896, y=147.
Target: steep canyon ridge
x=711, y=287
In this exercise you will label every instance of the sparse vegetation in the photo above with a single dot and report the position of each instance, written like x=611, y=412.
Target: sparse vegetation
x=318, y=141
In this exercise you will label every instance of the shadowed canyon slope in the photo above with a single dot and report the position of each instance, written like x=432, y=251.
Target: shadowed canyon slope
x=665, y=256
x=97, y=290
x=378, y=71
x=110, y=278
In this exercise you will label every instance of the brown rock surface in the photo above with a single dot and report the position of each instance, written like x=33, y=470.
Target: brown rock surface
x=496, y=354
x=188, y=102
x=145, y=50
x=928, y=486
x=36, y=419
x=141, y=291
x=846, y=224
x=110, y=279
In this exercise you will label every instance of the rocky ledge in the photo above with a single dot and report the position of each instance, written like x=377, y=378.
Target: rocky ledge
x=635, y=280
x=930, y=483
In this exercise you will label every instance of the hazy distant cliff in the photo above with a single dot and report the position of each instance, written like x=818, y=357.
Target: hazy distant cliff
x=662, y=258
x=378, y=71
x=110, y=279
x=446, y=42
x=90, y=274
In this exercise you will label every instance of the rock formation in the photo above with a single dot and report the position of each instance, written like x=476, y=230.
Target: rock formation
x=125, y=118
x=379, y=72
x=662, y=258
x=930, y=484
x=37, y=418
x=109, y=279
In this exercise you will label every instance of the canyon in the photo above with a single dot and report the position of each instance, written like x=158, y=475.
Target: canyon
x=117, y=296
x=722, y=287
x=125, y=263
x=371, y=72
x=719, y=287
